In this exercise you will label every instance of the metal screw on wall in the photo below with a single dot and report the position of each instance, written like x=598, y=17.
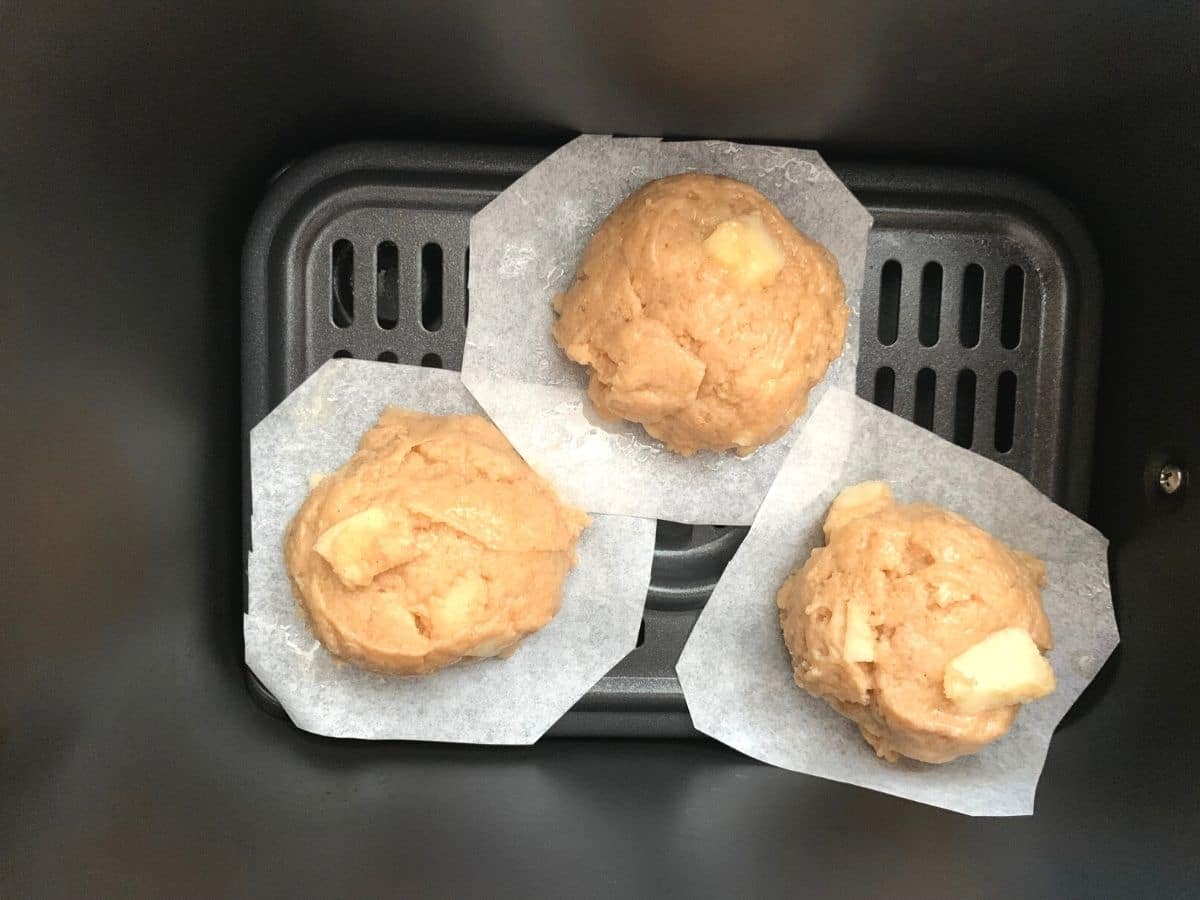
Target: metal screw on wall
x=1170, y=479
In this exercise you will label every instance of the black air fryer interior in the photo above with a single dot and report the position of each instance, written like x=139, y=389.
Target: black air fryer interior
x=138, y=139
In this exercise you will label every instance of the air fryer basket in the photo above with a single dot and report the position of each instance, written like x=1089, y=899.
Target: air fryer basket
x=979, y=291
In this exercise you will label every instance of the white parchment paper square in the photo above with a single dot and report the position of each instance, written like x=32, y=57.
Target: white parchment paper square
x=513, y=701
x=525, y=247
x=735, y=669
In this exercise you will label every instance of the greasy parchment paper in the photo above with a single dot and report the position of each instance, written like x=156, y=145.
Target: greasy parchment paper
x=513, y=701
x=735, y=669
x=525, y=246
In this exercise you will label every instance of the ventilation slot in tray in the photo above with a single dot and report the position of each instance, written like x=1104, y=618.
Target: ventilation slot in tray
x=392, y=295
x=942, y=346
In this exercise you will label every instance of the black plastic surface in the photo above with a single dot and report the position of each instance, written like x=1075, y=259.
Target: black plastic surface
x=136, y=142
x=362, y=250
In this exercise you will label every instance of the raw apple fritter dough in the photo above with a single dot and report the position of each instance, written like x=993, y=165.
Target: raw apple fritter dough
x=918, y=625
x=703, y=314
x=433, y=543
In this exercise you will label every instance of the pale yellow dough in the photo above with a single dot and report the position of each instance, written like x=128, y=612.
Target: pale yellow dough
x=703, y=314
x=435, y=542
x=918, y=625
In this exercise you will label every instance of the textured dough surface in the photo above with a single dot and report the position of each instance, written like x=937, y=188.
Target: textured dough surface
x=707, y=347
x=874, y=617
x=433, y=543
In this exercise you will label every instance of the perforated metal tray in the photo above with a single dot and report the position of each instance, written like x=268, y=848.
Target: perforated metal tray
x=980, y=290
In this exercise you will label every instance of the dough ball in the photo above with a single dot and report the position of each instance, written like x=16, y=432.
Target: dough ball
x=703, y=314
x=435, y=542
x=918, y=625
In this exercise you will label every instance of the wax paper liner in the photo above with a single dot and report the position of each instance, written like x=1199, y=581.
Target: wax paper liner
x=491, y=701
x=525, y=247
x=735, y=670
